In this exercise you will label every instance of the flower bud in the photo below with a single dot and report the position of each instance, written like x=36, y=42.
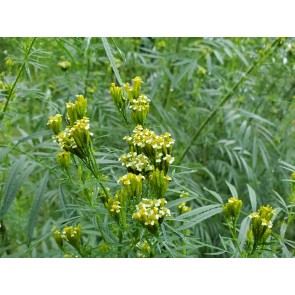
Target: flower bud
x=136, y=87
x=132, y=184
x=58, y=237
x=117, y=96
x=64, y=159
x=159, y=182
x=55, y=123
x=73, y=234
x=81, y=106
x=64, y=65
x=232, y=208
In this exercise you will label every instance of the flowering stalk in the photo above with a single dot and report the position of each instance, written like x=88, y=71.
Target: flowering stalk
x=231, y=211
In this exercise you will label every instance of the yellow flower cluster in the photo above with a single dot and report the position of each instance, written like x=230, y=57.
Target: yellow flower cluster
x=261, y=224
x=148, y=159
x=136, y=163
x=157, y=148
x=139, y=109
x=70, y=234
x=76, y=137
x=151, y=213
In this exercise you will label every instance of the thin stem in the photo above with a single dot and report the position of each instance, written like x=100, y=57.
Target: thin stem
x=17, y=78
x=227, y=96
x=233, y=231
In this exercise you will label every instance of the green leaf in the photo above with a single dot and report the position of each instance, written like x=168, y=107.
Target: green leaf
x=14, y=182
x=201, y=217
x=243, y=231
x=179, y=201
x=36, y=206
x=111, y=59
x=232, y=189
x=200, y=210
x=215, y=194
x=253, y=198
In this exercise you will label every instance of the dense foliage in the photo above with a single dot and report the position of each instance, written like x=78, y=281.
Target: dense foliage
x=110, y=184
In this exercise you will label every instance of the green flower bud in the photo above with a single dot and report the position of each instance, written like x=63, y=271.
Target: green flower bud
x=71, y=113
x=73, y=234
x=81, y=106
x=55, y=123
x=132, y=184
x=232, y=208
x=136, y=87
x=64, y=159
x=64, y=65
x=58, y=237
x=117, y=96
x=159, y=182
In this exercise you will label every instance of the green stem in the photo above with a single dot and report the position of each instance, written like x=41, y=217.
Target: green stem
x=168, y=85
x=227, y=96
x=233, y=231
x=17, y=78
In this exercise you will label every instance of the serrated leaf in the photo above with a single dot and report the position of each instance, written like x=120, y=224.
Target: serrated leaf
x=252, y=196
x=232, y=189
x=36, y=206
x=243, y=231
x=14, y=182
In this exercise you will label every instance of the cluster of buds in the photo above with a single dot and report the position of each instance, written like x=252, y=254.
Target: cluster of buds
x=157, y=148
x=145, y=249
x=132, y=184
x=75, y=138
x=70, y=234
x=117, y=95
x=183, y=208
x=77, y=110
x=159, y=182
x=151, y=213
x=116, y=206
x=261, y=224
x=64, y=159
x=138, y=103
x=231, y=210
